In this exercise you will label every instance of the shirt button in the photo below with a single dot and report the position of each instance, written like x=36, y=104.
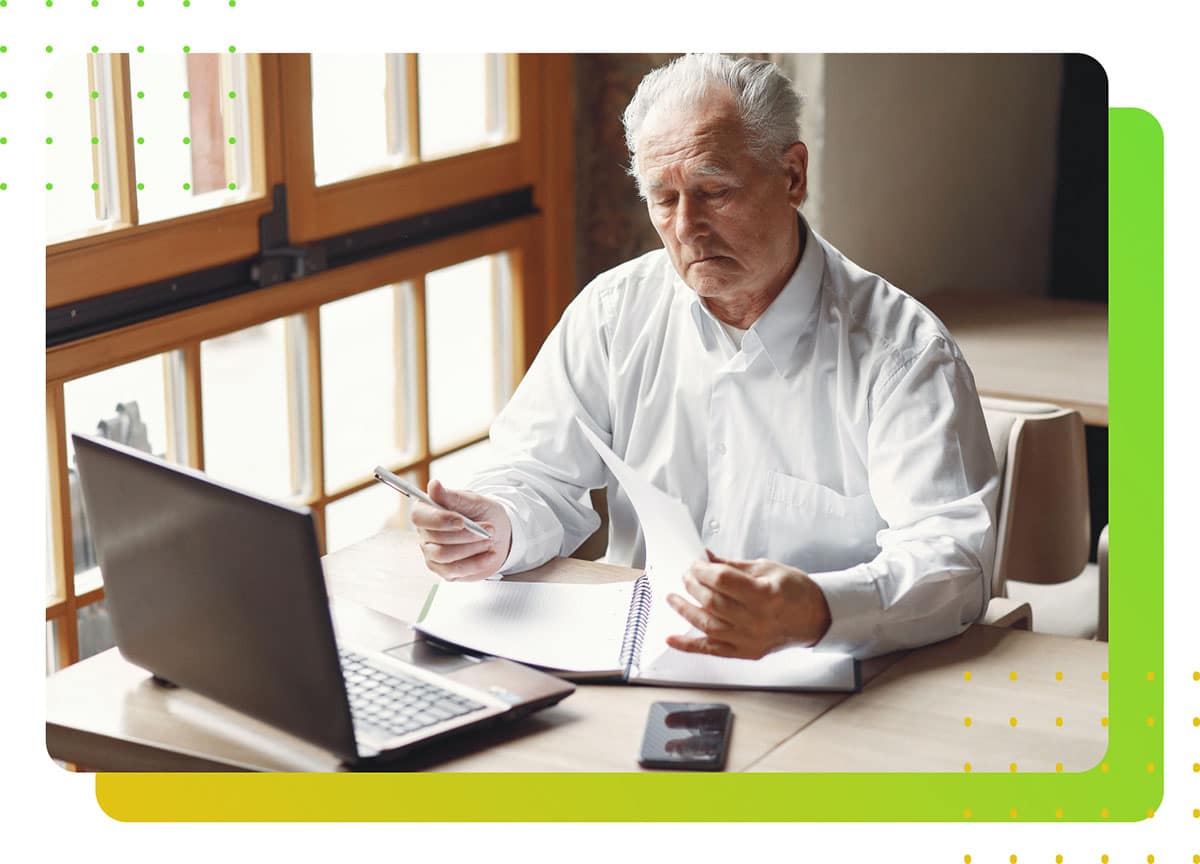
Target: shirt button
x=721, y=449
x=714, y=525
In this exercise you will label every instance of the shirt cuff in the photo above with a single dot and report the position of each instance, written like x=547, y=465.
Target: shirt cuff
x=518, y=544
x=854, y=610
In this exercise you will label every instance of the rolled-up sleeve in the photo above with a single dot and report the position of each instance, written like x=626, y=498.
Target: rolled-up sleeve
x=543, y=465
x=932, y=476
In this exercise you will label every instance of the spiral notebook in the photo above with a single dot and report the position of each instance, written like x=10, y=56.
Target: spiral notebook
x=609, y=631
x=619, y=629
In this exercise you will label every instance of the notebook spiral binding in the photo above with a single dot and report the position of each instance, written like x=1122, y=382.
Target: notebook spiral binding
x=635, y=625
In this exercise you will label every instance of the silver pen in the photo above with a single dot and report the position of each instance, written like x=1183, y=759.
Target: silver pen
x=402, y=486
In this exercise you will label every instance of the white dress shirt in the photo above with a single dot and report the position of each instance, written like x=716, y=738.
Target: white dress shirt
x=844, y=438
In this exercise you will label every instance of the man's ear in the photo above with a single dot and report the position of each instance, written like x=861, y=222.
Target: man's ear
x=795, y=164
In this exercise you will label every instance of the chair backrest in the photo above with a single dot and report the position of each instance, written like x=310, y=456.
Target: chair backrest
x=1043, y=530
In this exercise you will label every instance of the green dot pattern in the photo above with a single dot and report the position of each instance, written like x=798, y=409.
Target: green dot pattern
x=232, y=186
x=49, y=186
x=141, y=140
x=3, y=140
x=95, y=94
x=141, y=186
x=232, y=140
x=49, y=140
x=141, y=49
x=187, y=186
x=49, y=49
x=95, y=186
x=141, y=94
x=95, y=140
x=3, y=186
x=49, y=94
x=232, y=95
x=95, y=49
x=186, y=49
x=187, y=95
x=187, y=140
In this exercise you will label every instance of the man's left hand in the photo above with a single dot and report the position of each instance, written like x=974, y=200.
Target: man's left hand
x=749, y=608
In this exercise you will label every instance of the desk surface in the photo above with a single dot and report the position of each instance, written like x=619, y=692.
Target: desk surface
x=105, y=714
x=1033, y=348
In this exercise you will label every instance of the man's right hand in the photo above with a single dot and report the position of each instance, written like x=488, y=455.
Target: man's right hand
x=450, y=550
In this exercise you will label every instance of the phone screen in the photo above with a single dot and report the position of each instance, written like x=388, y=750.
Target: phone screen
x=686, y=735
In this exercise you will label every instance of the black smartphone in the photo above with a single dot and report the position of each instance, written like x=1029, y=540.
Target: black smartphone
x=686, y=736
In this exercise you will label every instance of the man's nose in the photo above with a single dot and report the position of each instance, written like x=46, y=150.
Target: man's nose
x=691, y=221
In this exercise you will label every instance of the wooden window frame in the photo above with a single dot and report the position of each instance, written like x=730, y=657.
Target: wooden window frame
x=416, y=186
x=126, y=255
x=540, y=248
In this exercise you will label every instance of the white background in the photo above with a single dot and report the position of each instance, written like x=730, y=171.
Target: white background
x=1148, y=51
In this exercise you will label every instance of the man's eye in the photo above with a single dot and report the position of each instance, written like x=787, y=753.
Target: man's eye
x=664, y=201
x=715, y=194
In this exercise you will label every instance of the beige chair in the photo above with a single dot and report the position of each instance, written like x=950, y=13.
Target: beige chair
x=1043, y=530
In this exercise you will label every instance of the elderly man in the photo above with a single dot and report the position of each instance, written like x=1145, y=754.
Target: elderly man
x=811, y=416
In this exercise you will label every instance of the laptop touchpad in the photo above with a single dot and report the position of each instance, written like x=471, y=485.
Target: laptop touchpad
x=431, y=657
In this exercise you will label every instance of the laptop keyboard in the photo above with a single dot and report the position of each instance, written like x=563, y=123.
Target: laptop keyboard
x=397, y=703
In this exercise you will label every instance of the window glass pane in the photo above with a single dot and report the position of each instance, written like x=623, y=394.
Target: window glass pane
x=462, y=99
x=190, y=151
x=253, y=424
x=125, y=404
x=95, y=629
x=72, y=160
x=365, y=514
x=350, y=116
x=365, y=386
x=460, y=315
x=455, y=470
x=52, y=663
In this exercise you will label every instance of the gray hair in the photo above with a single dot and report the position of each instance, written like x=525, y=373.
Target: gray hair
x=766, y=102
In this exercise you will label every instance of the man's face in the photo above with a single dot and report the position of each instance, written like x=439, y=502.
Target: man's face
x=727, y=222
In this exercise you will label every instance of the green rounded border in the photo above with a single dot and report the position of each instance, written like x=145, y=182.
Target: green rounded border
x=1126, y=792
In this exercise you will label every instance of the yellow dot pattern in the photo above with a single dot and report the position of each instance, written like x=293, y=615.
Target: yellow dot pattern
x=1012, y=721
x=1057, y=721
x=1103, y=676
x=1058, y=767
x=1149, y=721
x=967, y=767
x=1012, y=859
x=1057, y=676
x=1103, y=721
x=1012, y=766
x=1058, y=813
x=966, y=721
x=966, y=676
x=1012, y=814
x=1103, y=767
x=1057, y=859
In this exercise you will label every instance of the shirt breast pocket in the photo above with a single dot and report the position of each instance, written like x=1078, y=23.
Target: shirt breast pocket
x=816, y=528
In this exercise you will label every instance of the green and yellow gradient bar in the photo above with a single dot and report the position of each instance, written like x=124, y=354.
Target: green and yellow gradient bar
x=1127, y=791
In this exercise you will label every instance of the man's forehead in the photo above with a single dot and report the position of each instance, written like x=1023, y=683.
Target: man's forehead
x=709, y=137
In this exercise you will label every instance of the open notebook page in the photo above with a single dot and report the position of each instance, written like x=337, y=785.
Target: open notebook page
x=572, y=628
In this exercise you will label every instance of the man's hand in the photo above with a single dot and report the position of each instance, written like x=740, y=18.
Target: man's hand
x=450, y=550
x=749, y=608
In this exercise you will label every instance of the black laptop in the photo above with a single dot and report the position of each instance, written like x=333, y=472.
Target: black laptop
x=222, y=592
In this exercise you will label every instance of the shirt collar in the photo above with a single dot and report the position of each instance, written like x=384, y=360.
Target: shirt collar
x=781, y=325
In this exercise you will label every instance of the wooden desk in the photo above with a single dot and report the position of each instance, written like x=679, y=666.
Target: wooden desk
x=105, y=714
x=1033, y=348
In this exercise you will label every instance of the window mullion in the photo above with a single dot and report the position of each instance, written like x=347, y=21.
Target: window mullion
x=420, y=380
x=60, y=510
x=126, y=179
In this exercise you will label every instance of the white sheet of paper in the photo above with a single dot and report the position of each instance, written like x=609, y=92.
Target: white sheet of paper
x=672, y=544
